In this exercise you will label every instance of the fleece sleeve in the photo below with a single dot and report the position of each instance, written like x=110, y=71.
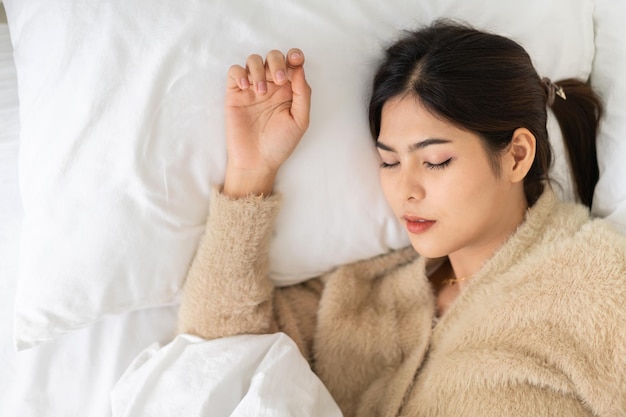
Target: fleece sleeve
x=227, y=290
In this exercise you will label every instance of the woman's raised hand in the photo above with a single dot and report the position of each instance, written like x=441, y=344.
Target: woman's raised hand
x=267, y=112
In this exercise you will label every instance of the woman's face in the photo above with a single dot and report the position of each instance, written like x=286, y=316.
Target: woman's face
x=438, y=180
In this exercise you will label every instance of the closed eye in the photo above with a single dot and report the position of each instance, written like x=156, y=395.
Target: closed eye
x=386, y=165
x=441, y=165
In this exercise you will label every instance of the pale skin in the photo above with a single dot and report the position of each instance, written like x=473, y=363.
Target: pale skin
x=267, y=113
x=430, y=168
x=434, y=170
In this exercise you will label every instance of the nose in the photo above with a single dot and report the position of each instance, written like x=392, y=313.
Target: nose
x=411, y=186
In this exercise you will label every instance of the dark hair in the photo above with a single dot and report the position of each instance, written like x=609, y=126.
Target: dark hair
x=486, y=83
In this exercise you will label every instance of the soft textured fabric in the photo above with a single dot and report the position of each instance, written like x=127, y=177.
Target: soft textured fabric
x=240, y=376
x=538, y=331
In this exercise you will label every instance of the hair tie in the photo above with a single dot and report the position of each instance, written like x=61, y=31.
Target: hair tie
x=553, y=90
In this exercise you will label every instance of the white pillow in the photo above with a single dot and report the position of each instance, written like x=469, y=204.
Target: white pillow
x=609, y=67
x=121, y=110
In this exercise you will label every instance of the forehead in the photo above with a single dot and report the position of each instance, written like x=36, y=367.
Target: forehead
x=406, y=118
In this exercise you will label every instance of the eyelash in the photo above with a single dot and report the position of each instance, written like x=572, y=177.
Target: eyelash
x=428, y=165
x=385, y=165
x=442, y=165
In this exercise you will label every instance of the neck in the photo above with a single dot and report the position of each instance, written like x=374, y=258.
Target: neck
x=467, y=261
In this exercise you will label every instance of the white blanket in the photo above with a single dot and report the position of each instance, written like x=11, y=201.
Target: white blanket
x=249, y=375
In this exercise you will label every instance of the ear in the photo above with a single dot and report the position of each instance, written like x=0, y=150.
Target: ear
x=520, y=155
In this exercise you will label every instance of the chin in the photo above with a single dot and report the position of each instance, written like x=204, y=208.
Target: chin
x=429, y=251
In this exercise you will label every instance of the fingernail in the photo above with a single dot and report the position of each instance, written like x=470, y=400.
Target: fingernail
x=244, y=83
x=262, y=87
x=296, y=55
x=280, y=76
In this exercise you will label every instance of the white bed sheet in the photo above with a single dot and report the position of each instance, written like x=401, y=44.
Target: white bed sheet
x=73, y=376
x=238, y=376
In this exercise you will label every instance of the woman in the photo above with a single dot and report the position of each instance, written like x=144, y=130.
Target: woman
x=515, y=304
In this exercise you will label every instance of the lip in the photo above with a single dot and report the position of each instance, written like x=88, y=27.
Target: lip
x=417, y=225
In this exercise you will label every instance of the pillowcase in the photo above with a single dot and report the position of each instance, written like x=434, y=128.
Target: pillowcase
x=10, y=205
x=607, y=78
x=122, y=136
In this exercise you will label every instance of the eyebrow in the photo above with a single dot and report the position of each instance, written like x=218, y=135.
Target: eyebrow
x=414, y=146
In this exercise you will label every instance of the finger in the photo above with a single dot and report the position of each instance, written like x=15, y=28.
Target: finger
x=295, y=58
x=256, y=71
x=237, y=78
x=276, y=68
x=301, y=101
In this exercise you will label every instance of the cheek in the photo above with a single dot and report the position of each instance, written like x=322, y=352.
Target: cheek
x=475, y=195
x=472, y=179
x=466, y=193
x=389, y=188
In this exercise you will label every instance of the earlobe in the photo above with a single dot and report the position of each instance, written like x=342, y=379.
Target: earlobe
x=522, y=152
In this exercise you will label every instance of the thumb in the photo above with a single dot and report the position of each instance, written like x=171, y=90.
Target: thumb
x=301, y=103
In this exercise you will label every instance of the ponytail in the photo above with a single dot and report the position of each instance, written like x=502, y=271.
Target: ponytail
x=579, y=116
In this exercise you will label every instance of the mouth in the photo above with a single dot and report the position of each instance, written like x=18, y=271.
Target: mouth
x=417, y=225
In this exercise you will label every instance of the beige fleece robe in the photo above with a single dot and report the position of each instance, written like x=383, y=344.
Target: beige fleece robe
x=539, y=331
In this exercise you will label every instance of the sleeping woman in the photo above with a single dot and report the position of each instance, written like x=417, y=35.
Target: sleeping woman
x=508, y=302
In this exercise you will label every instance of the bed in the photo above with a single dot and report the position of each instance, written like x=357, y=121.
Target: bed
x=111, y=139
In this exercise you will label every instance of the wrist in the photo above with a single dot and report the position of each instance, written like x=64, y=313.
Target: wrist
x=241, y=183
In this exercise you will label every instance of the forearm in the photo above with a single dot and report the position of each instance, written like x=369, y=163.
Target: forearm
x=227, y=290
